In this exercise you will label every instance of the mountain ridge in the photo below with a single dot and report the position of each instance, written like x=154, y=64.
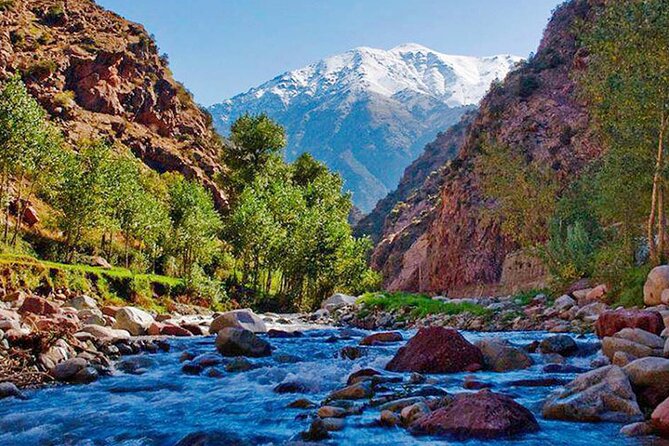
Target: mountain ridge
x=367, y=112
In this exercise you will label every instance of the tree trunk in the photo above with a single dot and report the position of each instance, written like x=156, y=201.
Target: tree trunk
x=656, y=199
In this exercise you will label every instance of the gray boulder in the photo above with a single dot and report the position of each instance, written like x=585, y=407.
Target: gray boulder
x=133, y=320
x=500, y=356
x=337, y=301
x=239, y=342
x=603, y=394
x=243, y=319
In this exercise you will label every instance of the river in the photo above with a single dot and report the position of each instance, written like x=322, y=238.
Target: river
x=162, y=405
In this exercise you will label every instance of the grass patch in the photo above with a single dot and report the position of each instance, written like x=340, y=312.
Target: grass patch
x=526, y=297
x=420, y=305
x=115, y=286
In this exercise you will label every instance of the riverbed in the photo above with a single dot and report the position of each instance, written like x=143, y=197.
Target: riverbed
x=159, y=405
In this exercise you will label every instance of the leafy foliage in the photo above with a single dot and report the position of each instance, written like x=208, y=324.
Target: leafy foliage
x=418, y=305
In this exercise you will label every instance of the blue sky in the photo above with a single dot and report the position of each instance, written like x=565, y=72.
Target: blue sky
x=219, y=48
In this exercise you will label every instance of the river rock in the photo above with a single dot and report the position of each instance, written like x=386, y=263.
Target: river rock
x=650, y=379
x=244, y=319
x=133, y=320
x=660, y=418
x=8, y=389
x=635, y=342
x=561, y=344
x=357, y=391
x=564, y=303
x=361, y=375
x=612, y=321
x=174, y=330
x=500, y=356
x=331, y=412
x=333, y=424
x=639, y=429
x=74, y=370
x=82, y=302
x=337, y=301
x=389, y=418
x=604, y=394
x=437, y=350
x=483, y=415
x=317, y=431
x=656, y=282
x=105, y=333
x=382, y=338
x=239, y=342
x=411, y=414
x=38, y=305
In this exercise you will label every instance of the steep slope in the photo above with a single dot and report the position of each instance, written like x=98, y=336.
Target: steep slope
x=368, y=113
x=100, y=76
x=452, y=247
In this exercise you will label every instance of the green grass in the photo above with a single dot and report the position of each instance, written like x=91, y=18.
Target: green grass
x=115, y=272
x=421, y=305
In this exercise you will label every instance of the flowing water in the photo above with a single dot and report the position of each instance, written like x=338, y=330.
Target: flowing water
x=163, y=405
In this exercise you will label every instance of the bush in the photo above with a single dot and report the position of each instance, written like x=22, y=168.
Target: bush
x=569, y=253
x=40, y=70
x=64, y=99
x=527, y=85
x=204, y=290
x=54, y=15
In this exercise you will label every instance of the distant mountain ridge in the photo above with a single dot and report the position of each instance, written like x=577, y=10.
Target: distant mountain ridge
x=368, y=113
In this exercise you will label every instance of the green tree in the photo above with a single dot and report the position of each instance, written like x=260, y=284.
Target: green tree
x=81, y=197
x=195, y=223
x=31, y=150
x=627, y=84
x=524, y=194
x=255, y=138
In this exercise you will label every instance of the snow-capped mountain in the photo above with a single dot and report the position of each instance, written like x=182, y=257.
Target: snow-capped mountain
x=368, y=112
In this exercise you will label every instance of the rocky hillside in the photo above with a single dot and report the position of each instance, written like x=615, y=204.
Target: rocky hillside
x=445, y=244
x=368, y=113
x=99, y=75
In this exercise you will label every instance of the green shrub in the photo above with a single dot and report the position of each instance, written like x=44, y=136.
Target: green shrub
x=525, y=298
x=40, y=70
x=203, y=289
x=418, y=305
x=54, y=14
x=527, y=85
x=569, y=253
x=64, y=99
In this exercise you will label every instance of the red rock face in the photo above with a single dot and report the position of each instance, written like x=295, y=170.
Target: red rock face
x=437, y=350
x=104, y=79
x=451, y=243
x=483, y=415
x=612, y=321
x=38, y=305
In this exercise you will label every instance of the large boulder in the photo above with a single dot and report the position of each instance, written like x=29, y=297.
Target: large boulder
x=500, y=356
x=656, y=282
x=650, y=380
x=133, y=320
x=239, y=342
x=660, y=419
x=561, y=344
x=337, y=301
x=612, y=321
x=604, y=394
x=633, y=341
x=437, y=350
x=75, y=370
x=244, y=319
x=483, y=415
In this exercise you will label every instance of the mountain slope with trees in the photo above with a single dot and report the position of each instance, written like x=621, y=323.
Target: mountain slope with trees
x=100, y=76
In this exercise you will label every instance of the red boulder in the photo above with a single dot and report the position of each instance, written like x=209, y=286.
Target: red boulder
x=174, y=330
x=478, y=415
x=612, y=321
x=38, y=305
x=660, y=419
x=437, y=350
x=380, y=338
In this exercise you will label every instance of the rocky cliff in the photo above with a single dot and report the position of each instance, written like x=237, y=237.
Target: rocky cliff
x=100, y=76
x=445, y=243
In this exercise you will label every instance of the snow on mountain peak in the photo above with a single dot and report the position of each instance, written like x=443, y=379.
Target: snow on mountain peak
x=454, y=80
